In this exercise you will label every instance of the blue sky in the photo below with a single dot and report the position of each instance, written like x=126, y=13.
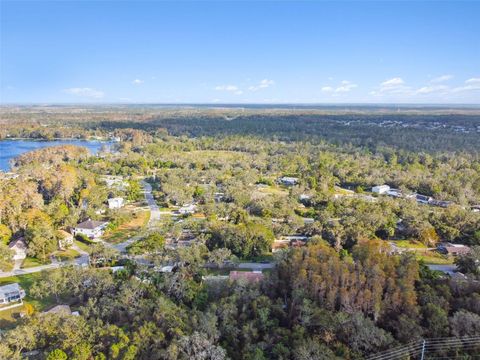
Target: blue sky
x=240, y=52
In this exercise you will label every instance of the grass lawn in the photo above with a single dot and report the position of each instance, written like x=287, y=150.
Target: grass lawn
x=8, y=317
x=434, y=258
x=273, y=190
x=409, y=244
x=131, y=228
x=82, y=245
x=65, y=255
x=30, y=262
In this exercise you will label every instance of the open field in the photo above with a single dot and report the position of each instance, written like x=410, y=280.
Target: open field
x=130, y=228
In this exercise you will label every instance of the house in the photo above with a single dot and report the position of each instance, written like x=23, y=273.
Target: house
x=20, y=247
x=423, y=199
x=476, y=208
x=116, y=203
x=248, y=276
x=90, y=228
x=65, y=239
x=10, y=293
x=381, y=189
x=304, y=198
x=288, y=181
x=307, y=221
x=453, y=249
x=441, y=203
x=115, y=182
x=395, y=193
x=187, y=209
x=219, y=197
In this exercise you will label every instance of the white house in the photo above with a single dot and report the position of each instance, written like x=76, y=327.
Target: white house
x=187, y=209
x=115, y=182
x=10, y=293
x=116, y=203
x=380, y=189
x=289, y=181
x=91, y=228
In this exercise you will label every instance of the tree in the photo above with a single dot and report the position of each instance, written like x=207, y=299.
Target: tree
x=39, y=234
x=465, y=323
x=6, y=257
x=153, y=243
x=5, y=234
x=197, y=347
x=57, y=354
x=469, y=263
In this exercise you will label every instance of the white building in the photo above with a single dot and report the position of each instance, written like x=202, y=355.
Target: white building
x=187, y=209
x=380, y=189
x=91, y=228
x=289, y=181
x=116, y=203
x=10, y=293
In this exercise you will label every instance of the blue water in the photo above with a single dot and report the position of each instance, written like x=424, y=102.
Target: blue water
x=10, y=149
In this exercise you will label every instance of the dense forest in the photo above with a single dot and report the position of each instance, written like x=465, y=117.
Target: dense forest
x=342, y=291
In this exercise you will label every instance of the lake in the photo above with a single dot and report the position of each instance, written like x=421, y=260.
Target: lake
x=10, y=149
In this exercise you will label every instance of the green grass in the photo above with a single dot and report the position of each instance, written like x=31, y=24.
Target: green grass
x=434, y=259
x=409, y=244
x=82, y=245
x=30, y=262
x=9, y=317
x=65, y=255
x=128, y=229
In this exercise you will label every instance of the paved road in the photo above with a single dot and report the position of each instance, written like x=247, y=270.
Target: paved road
x=154, y=210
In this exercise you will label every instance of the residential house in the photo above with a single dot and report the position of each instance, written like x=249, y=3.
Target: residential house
x=116, y=203
x=423, y=199
x=395, y=193
x=65, y=239
x=187, y=209
x=288, y=181
x=11, y=293
x=248, y=276
x=115, y=182
x=381, y=189
x=20, y=247
x=453, y=249
x=90, y=228
x=441, y=203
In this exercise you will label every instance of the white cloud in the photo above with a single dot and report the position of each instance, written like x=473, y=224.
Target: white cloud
x=394, y=85
x=265, y=83
x=472, y=84
x=432, y=89
x=137, y=82
x=396, y=81
x=229, y=88
x=442, y=78
x=344, y=87
x=85, y=92
x=473, y=81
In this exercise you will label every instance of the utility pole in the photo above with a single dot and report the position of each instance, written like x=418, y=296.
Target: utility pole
x=423, y=351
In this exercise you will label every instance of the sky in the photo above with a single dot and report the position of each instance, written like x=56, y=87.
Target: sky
x=239, y=52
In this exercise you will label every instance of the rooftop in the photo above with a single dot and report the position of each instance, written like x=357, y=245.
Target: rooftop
x=91, y=224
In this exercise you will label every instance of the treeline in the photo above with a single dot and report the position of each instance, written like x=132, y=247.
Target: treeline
x=317, y=304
